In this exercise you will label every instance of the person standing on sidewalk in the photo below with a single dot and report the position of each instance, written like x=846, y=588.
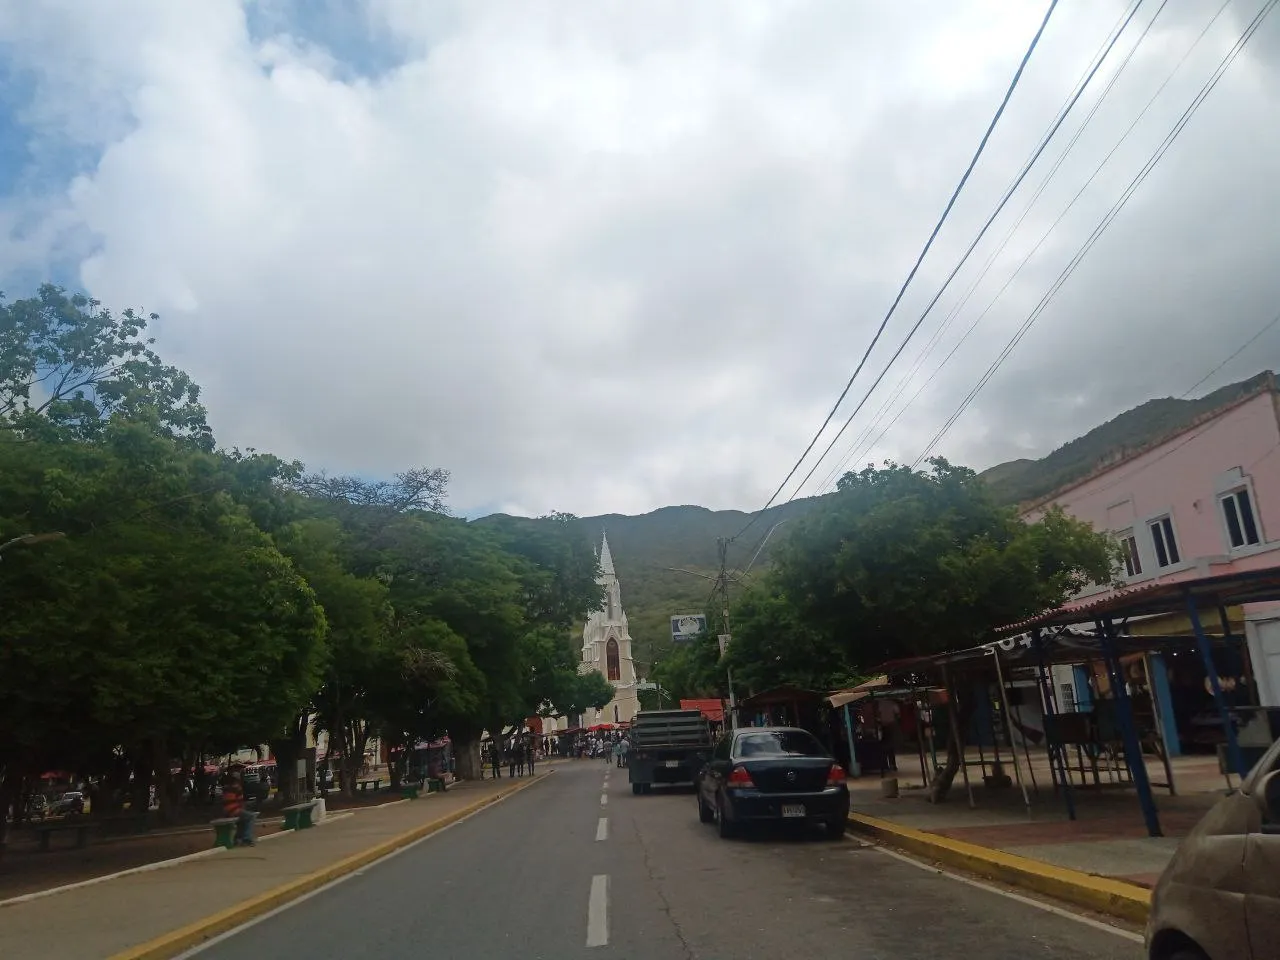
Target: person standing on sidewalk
x=533, y=754
x=495, y=759
x=233, y=806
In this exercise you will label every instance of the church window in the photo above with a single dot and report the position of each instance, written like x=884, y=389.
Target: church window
x=611, y=655
x=615, y=713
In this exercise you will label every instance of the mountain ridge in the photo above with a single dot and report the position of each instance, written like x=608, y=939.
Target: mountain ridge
x=646, y=547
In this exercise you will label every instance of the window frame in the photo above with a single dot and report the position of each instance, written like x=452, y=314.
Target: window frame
x=1234, y=499
x=1128, y=538
x=1168, y=537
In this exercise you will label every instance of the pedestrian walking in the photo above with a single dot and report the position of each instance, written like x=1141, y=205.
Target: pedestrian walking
x=512, y=750
x=625, y=747
x=495, y=759
x=533, y=754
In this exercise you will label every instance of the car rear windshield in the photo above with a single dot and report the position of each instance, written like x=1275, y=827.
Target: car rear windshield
x=791, y=743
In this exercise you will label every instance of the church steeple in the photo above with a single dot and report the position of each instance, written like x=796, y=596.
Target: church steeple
x=606, y=558
x=606, y=641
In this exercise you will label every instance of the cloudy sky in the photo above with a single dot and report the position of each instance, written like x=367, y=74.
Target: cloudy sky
x=606, y=256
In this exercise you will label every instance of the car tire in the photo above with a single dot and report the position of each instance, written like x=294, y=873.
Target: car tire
x=724, y=826
x=648, y=787
x=834, y=829
x=1188, y=953
x=705, y=813
x=636, y=788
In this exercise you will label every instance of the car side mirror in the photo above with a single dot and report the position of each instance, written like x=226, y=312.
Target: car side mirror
x=1266, y=796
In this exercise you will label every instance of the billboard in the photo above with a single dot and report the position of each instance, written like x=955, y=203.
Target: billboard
x=687, y=626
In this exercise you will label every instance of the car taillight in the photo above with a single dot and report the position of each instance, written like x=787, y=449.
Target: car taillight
x=835, y=776
x=738, y=777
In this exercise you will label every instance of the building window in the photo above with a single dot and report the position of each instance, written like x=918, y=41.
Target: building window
x=615, y=713
x=1242, y=525
x=611, y=657
x=1162, y=538
x=1129, y=548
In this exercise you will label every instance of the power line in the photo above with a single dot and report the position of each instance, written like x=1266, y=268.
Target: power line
x=1201, y=429
x=1008, y=195
x=1243, y=347
x=1013, y=84
x=1053, y=226
x=860, y=445
x=1102, y=226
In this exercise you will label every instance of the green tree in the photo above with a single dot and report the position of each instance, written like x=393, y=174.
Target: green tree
x=165, y=620
x=773, y=644
x=69, y=365
x=904, y=562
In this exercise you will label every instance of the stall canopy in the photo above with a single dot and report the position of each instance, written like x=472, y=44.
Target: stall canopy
x=1060, y=635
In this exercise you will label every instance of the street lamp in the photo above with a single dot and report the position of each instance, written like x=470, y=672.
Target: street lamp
x=30, y=540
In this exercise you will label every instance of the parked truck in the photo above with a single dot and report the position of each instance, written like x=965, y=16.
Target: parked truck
x=667, y=746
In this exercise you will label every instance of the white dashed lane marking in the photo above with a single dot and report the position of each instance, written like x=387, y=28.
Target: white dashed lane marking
x=602, y=829
x=598, y=912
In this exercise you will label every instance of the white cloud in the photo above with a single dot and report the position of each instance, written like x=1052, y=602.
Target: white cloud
x=602, y=256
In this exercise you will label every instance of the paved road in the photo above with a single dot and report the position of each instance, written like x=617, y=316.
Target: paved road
x=537, y=876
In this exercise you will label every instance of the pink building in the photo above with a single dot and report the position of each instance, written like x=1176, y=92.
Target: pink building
x=1202, y=501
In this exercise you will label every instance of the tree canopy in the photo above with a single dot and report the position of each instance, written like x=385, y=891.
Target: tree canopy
x=202, y=600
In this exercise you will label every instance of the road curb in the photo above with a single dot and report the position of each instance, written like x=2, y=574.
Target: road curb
x=184, y=938
x=1116, y=898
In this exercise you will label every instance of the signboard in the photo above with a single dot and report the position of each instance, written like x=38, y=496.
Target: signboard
x=687, y=626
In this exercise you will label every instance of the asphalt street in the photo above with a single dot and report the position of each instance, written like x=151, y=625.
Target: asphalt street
x=577, y=868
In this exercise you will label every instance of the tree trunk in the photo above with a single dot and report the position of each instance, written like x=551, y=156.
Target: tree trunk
x=466, y=755
x=10, y=793
x=160, y=766
x=958, y=712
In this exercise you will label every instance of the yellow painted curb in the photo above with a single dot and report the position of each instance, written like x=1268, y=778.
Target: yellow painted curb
x=1116, y=898
x=184, y=938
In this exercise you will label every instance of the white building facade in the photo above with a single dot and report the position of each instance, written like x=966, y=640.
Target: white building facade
x=606, y=648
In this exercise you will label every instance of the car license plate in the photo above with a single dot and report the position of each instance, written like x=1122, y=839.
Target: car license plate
x=673, y=763
x=793, y=809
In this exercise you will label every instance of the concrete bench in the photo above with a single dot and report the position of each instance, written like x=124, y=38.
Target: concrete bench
x=364, y=785
x=224, y=832
x=410, y=790
x=81, y=827
x=436, y=785
x=298, y=816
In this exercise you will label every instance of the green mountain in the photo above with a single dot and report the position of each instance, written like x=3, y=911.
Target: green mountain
x=645, y=548
x=1021, y=480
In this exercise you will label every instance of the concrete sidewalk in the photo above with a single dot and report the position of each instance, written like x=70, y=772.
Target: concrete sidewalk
x=160, y=912
x=1103, y=860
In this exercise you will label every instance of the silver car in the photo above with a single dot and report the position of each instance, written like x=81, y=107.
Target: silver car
x=1219, y=897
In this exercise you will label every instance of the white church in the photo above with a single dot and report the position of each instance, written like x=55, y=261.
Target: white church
x=606, y=648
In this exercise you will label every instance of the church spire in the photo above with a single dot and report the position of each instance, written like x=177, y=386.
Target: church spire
x=606, y=559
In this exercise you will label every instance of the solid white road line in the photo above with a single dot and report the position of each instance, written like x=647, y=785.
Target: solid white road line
x=598, y=912
x=604, y=799
x=1048, y=907
x=602, y=829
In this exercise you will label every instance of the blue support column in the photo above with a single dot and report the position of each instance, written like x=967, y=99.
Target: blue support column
x=1234, y=756
x=1164, y=698
x=1129, y=730
x=1057, y=753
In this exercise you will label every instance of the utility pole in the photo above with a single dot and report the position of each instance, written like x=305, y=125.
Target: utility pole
x=722, y=587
